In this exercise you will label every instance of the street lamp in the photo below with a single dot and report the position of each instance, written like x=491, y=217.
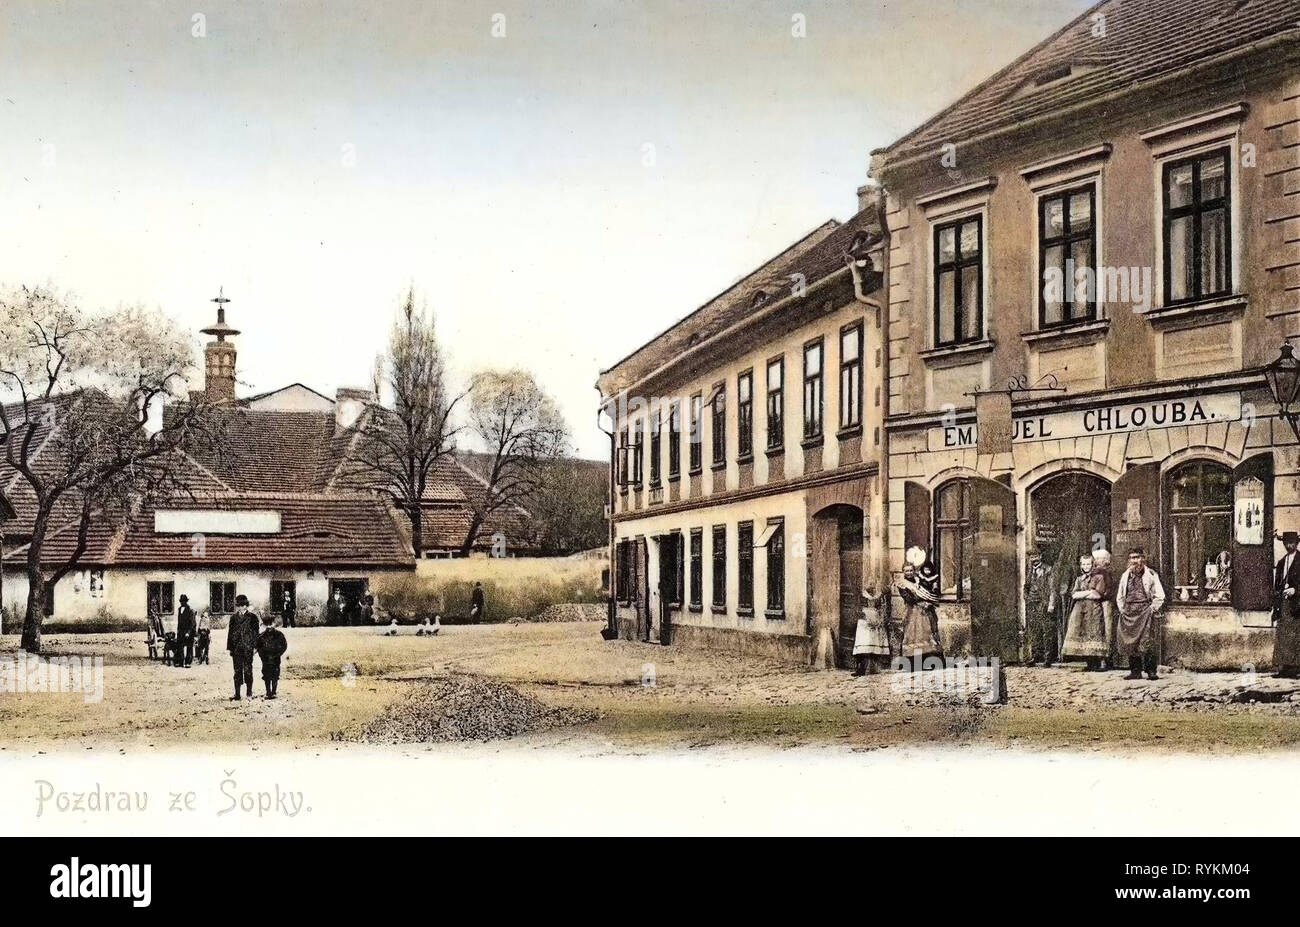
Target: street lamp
x=1284, y=382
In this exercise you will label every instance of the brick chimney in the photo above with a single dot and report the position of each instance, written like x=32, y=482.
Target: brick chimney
x=219, y=357
x=869, y=196
x=349, y=403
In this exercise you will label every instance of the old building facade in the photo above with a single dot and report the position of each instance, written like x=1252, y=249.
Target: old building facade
x=745, y=447
x=1104, y=236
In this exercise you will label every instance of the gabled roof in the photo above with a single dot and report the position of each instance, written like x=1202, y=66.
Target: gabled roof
x=1142, y=40
x=808, y=261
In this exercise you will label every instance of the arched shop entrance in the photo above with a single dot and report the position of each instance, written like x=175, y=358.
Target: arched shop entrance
x=1069, y=516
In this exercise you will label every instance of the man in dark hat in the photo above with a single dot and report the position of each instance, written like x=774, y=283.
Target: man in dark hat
x=186, y=626
x=476, y=604
x=241, y=641
x=1286, y=609
x=1139, y=599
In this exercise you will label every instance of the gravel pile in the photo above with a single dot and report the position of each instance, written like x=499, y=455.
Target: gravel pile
x=591, y=611
x=466, y=708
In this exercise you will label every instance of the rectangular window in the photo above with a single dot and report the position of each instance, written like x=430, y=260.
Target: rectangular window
x=1067, y=244
x=1197, y=228
x=679, y=570
x=697, y=434
x=697, y=569
x=745, y=414
x=719, y=432
x=776, y=569
x=675, y=439
x=623, y=574
x=49, y=599
x=638, y=455
x=745, y=563
x=959, y=282
x=160, y=597
x=812, y=390
x=851, y=377
x=656, y=445
x=221, y=598
x=720, y=567
x=623, y=474
x=776, y=404
x=96, y=584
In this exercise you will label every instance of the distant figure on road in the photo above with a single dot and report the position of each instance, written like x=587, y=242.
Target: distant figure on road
x=271, y=645
x=185, y=631
x=476, y=604
x=241, y=641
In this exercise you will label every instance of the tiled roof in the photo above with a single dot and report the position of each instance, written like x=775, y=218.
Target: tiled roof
x=1142, y=40
x=810, y=260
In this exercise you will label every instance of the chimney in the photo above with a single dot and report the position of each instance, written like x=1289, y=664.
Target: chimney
x=869, y=196
x=349, y=403
x=219, y=356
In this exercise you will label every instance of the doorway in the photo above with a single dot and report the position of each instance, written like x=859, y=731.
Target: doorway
x=835, y=576
x=347, y=598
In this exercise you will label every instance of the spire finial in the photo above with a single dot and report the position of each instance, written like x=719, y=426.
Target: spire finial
x=221, y=329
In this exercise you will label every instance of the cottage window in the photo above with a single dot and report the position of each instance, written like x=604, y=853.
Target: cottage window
x=812, y=390
x=697, y=569
x=1197, y=227
x=745, y=414
x=953, y=537
x=1067, y=246
x=959, y=282
x=776, y=404
x=745, y=563
x=851, y=377
x=221, y=598
x=159, y=597
x=1199, y=501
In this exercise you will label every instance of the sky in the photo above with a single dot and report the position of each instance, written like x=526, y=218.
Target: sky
x=560, y=180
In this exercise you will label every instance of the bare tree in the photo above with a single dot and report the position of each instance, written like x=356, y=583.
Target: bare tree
x=521, y=430
x=82, y=431
x=398, y=445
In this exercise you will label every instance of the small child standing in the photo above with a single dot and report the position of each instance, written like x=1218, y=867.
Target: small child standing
x=271, y=645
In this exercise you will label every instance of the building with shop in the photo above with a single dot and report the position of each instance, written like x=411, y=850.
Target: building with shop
x=1099, y=247
x=745, y=448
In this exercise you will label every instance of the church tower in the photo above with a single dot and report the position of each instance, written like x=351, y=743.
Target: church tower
x=219, y=383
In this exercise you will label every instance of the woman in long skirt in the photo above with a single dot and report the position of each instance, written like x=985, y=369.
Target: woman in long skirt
x=919, y=591
x=1085, y=630
x=871, y=642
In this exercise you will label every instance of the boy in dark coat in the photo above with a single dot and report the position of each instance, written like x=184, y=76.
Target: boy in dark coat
x=271, y=645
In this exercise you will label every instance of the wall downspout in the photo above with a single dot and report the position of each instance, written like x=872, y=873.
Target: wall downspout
x=611, y=622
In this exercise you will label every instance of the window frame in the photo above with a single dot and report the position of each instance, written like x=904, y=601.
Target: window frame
x=638, y=453
x=678, y=597
x=656, y=446
x=718, y=579
x=697, y=434
x=675, y=439
x=957, y=265
x=776, y=571
x=697, y=570
x=814, y=427
x=718, y=426
x=1196, y=209
x=745, y=415
x=775, y=399
x=1198, y=514
x=846, y=367
x=964, y=525
x=745, y=568
x=212, y=599
x=1065, y=240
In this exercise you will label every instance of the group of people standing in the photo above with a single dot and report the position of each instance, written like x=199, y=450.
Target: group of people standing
x=1106, y=623
x=182, y=637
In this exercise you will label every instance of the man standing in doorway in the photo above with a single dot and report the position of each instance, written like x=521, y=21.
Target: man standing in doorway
x=1286, y=609
x=1139, y=599
x=288, y=609
x=241, y=641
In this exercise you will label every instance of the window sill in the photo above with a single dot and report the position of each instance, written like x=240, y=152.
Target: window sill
x=695, y=471
x=775, y=616
x=1200, y=310
x=776, y=451
x=809, y=443
x=745, y=459
x=719, y=467
x=674, y=478
x=845, y=434
x=1081, y=332
x=958, y=353
x=745, y=612
x=696, y=609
